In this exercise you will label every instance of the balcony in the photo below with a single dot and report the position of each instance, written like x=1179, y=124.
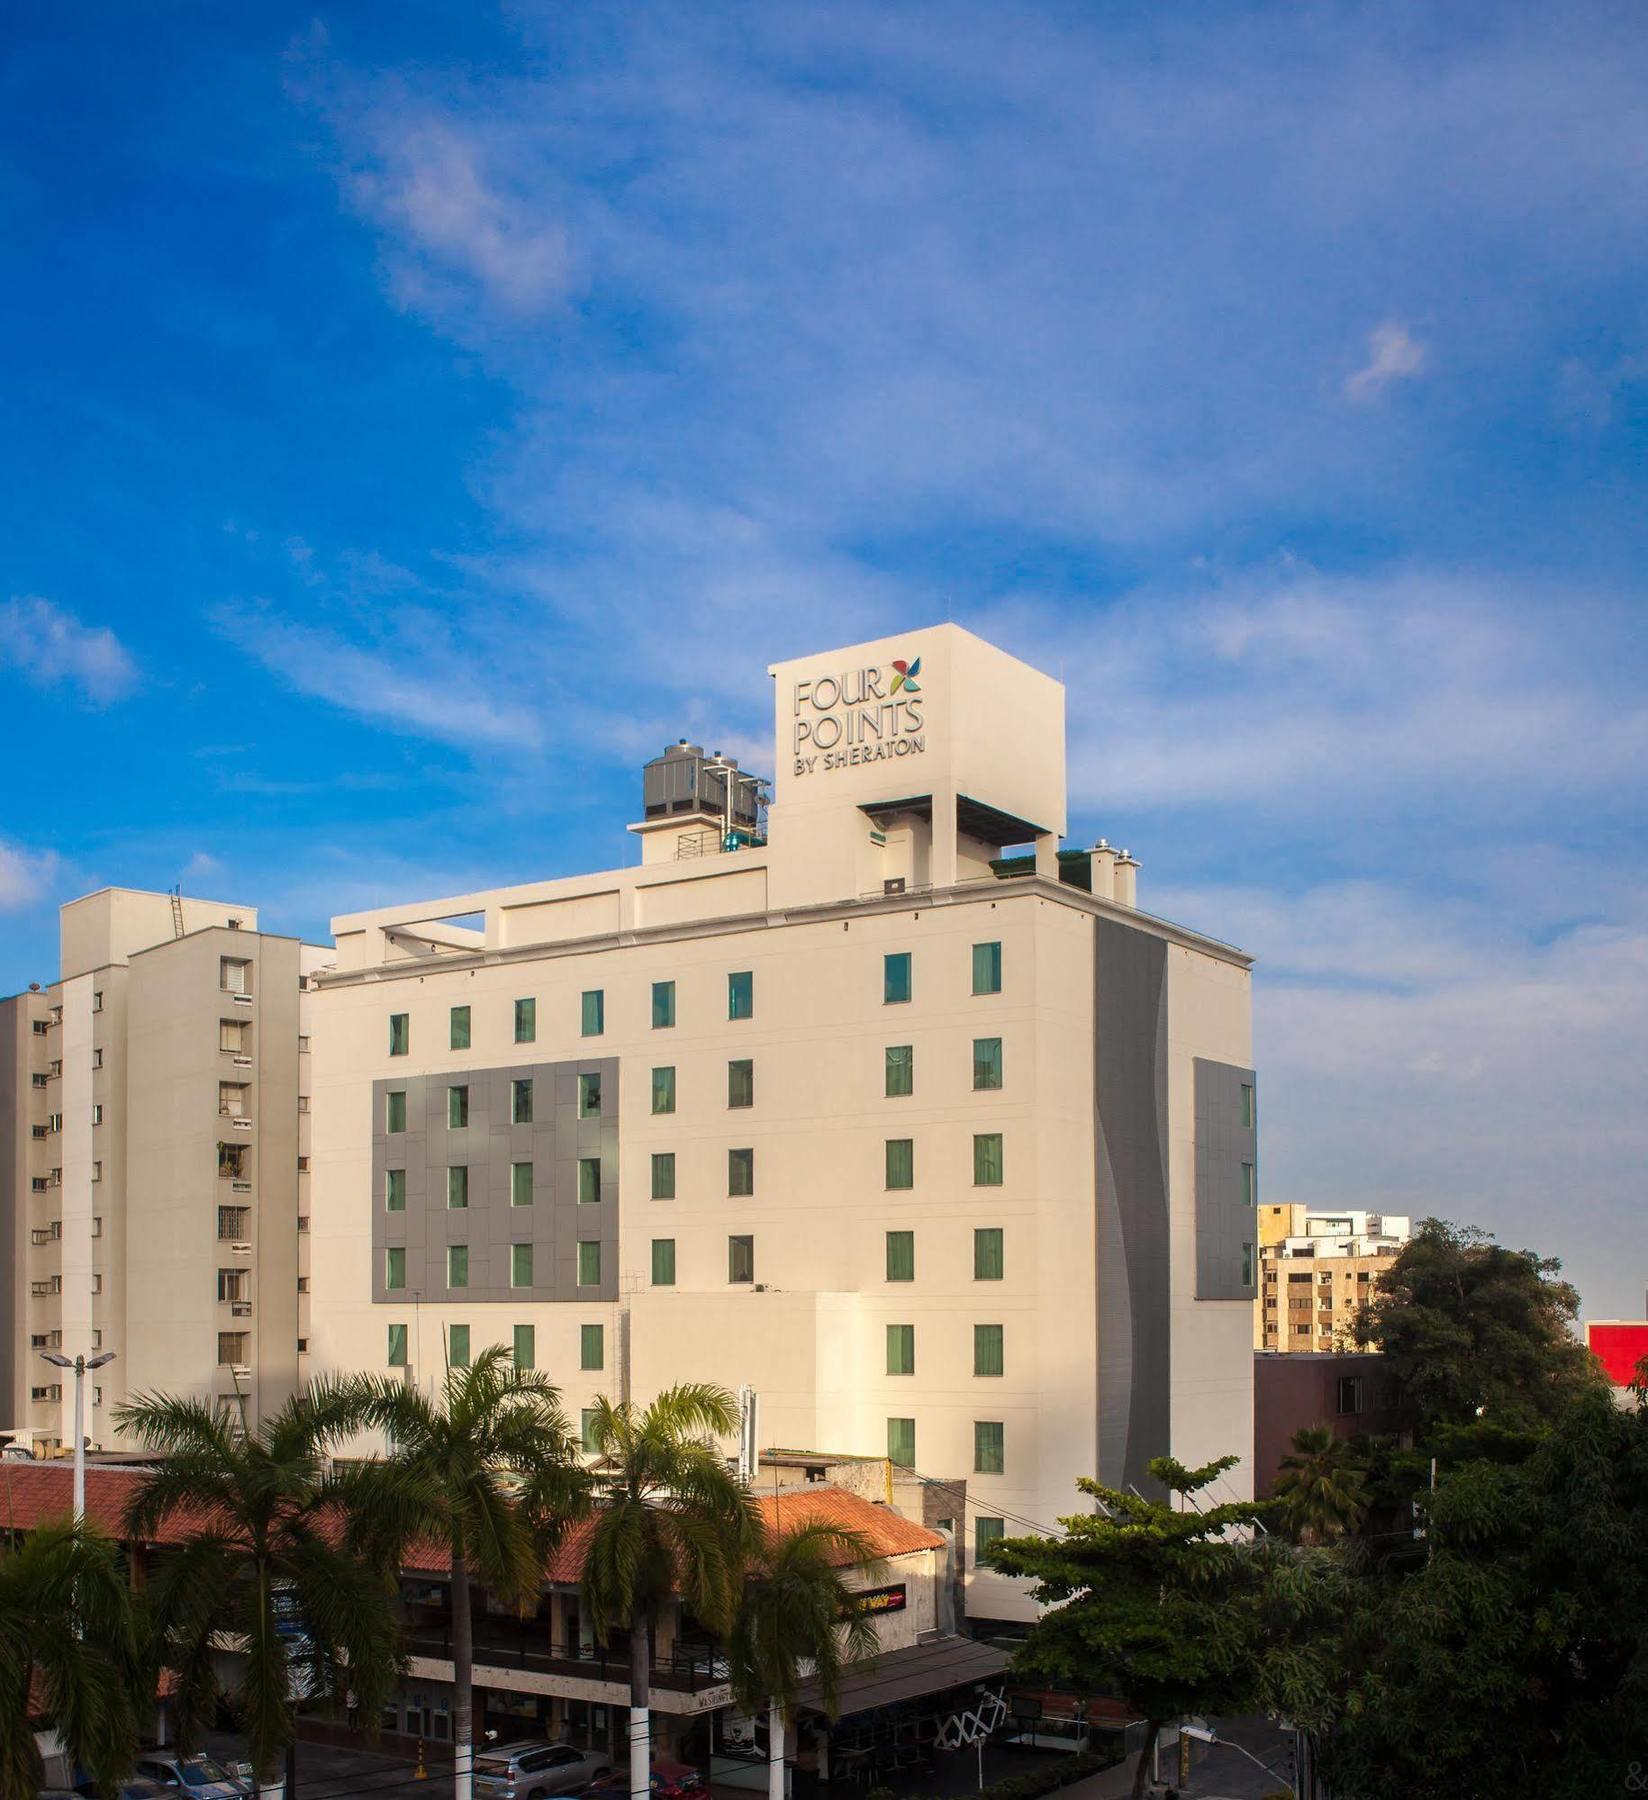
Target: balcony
x=526, y=1645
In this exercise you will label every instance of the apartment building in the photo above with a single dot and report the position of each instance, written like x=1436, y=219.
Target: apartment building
x=153, y=1127
x=881, y=1103
x=1318, y=1270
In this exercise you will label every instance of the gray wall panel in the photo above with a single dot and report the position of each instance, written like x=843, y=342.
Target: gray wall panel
x=1225, y=1222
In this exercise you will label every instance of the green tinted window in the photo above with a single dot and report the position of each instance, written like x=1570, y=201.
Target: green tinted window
x=987, y=968
x=457, y=1108
x=520, y=1184
x=457, y=1346
x=741, y=1083
x=741, y=995
x=987, y=1159
x=394, y=1267
x=589, y=1180
x=896, y=978
x=589, y=1263
x=591, y=1347
x=526, y=1347
x=397, y=1346
x=587, y=1425
x=1250, y=1187
x=901, y=1162
x=663, y=1004
x=394, y=1190
x=900, y=1070
x=663, y=1090
x=901, y=1442
x=457, y=1187
x=901, y=1349
x=520, y=1265
x=663, y=1262
x=593, y=1013
x=460, y=1028
x=457, y=1265
x=400, y=1034
x=740, y=1172
x=987, y=1350
x=986, y=1062
x=589, y=1095
x=986, y=1531
x=395, y=1110
x=526, y=1021
x=1247, y=1105
x=663, y=1175
x=988, y=1259
x=741, y=1259
x=520, y=1103
x=988, y=1456
x=901, y=1256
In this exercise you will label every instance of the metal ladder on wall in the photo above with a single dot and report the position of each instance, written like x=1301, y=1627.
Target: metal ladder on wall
x=176, y=894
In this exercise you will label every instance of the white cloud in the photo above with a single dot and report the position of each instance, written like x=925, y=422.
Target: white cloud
x=1393, y=355
x=25, y=875
x=49, y=645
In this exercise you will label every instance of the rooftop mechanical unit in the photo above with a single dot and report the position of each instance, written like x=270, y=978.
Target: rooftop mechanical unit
x=684, y=782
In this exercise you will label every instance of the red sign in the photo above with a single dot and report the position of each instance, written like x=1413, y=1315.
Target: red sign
x=1619, y=1345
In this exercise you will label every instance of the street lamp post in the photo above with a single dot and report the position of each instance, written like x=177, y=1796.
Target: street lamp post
x=80, y=1365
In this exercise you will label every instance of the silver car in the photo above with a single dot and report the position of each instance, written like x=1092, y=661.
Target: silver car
x=199, y=1777
x=534, y=1770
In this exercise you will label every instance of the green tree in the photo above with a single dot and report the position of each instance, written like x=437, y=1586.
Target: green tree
x=1321, y=1490
x=70, y=1652
x=1153, y=1602
x=798, y=1607
x=1469, y=1329
x=261, y=1564
x=670, y=1518
x=489, y=1469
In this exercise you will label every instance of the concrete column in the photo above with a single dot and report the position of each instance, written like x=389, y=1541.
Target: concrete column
x=1127, y=871
x=941, y=861
x=1104, y=870
x=1047, y=854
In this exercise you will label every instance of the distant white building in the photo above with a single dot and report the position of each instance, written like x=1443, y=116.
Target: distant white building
x=1318, y=1270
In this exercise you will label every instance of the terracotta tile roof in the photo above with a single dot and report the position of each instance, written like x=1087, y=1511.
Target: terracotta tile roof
x=32, y=1493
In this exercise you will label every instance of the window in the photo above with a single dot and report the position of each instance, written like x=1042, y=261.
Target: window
x=901, y=1162
x=590, y=1415
x=1247, y=1265
x=901, y=1442
x=460, y=1028
x=741, y=1259
x=234, y=976
x=740, y=1172
x=457, y=1108
x=39, y=1079
x=520, y=1102
x=457, y=1187
x=989, y=1456
x=97, y=1171
x=901, y=1256
x=394, y=1268
x=589, y=1262
x=589, y=1181
x=741, y=1083
x=233, y=1284
x=457, y=1346
x=663, y=1175
x=1250, y=1187
x=394, y=1110
x=1349, y=1398
x=901, y=1349
x=520, y=1265
x=593, y=1013
x=400, y=1033
x=986, y=1063
x=520, y=1184
x=394, y=1190
x=663, y=1090
x=97, y=1058
x=988, y=1260
x=589, y=1095
x=986, y=1531
x=457, y=1265
x=97, y=1000
x=899, y=1072
x=663, y=1005
x=895, y=978
x=397, y=1347
x=987, y=1159
x=231, y=1348
x=233, y=1035
x=526, y=1021
x=525, y=1347
x=1247, y=1104
x=741, y=995
x=987, y=1350
x=591, y=1347
x=987, y=968
x=231, y=1223
x=231, y=1102
x=663, y=1262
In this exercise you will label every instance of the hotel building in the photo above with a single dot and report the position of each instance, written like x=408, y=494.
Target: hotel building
x=153, y=1143
x=876, y=1102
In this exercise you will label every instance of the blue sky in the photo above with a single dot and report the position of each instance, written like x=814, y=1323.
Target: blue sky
x=413, y=417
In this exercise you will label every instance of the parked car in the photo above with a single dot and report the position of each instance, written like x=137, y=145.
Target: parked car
x=670, y=1781
x=200, y=1777
x=534, y=1770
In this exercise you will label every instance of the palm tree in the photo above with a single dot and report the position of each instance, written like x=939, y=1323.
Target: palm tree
x=797, y=1609
x=1322, y=1487
x=261, y=1569
x=69, y=1651
x=671, y=1517
x=489, y=1469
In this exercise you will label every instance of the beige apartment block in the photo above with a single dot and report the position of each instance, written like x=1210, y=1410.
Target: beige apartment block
x=883, y=1106
x=153, y=1114
x=1319, y=1269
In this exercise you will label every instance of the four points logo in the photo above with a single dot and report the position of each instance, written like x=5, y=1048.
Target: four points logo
x=904, y=676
